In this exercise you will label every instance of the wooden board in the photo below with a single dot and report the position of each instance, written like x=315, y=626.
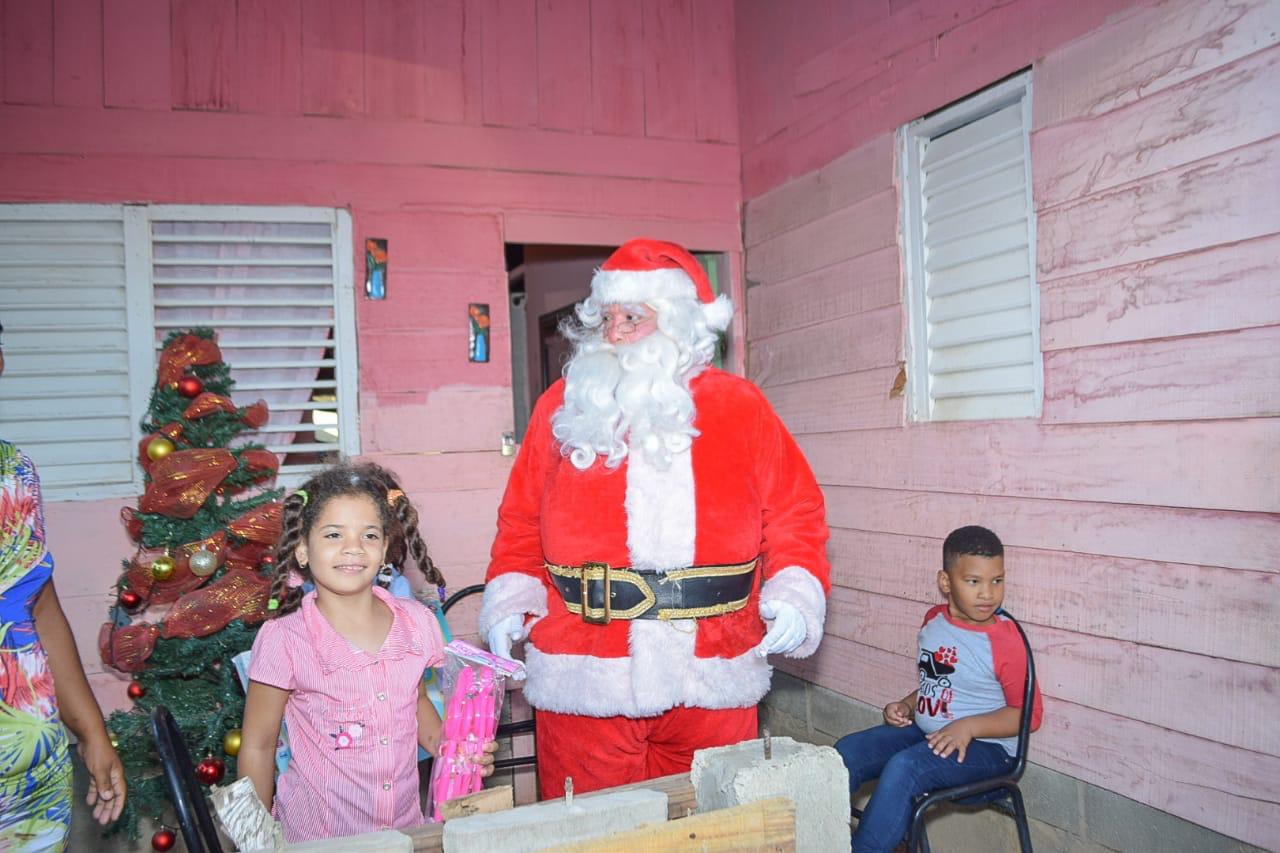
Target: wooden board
x=859, y=400
x=203, y=49
x=851, y=231
x=135, y=57
x=77, y=53
x=858, y=342
x=861, y=284
x=670, y=102
x=564, y=64
x=484, y=801
x=333, y=57
x=269, y=47
x=27, y=32
x=510, y=60
x=395, y=59
x=617, y=67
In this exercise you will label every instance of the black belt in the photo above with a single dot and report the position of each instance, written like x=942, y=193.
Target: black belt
x=622, y=593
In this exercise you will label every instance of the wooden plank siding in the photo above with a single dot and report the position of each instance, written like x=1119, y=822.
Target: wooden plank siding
x=448, y=127
x=1141, y=510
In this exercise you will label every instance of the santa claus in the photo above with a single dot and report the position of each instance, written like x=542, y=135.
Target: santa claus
x=661, y=533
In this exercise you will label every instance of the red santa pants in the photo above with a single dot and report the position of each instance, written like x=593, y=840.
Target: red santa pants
x=600, y=752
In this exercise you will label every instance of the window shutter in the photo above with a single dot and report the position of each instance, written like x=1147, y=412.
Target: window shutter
x=276, y=288
x=65, y=398
x=978, y=318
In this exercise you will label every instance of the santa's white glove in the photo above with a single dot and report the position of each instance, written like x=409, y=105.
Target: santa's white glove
x=788, y=631
x=504, y=633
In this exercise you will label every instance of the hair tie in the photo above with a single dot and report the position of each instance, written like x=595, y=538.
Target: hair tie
x=294, y=579
x=273, y=604
x=394, y=495
x=303, y=494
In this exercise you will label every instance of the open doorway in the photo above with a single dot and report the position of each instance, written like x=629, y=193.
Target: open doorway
x=544, y=284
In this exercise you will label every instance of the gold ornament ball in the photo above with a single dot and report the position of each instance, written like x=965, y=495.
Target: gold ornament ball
x=203, y=563
x=115, y=741
x=158, y=448
x=231, y=742
x=163, y=567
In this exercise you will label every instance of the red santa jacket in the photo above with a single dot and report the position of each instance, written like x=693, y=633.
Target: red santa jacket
x=743, y=490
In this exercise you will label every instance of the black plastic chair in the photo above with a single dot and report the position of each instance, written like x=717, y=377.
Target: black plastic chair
x=1000, y=791
x=185, y=791
x=505, y=730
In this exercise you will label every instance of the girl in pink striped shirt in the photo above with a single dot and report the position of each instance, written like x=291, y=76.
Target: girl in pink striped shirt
x=343, y=664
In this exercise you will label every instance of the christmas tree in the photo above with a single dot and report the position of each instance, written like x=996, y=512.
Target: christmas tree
x=192, y=596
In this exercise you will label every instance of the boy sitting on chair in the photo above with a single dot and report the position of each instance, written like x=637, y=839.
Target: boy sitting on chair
x=972, y=667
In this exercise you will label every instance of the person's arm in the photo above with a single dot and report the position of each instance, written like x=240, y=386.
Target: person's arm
x=902, y=712
x=263, y=711
x=429, y=723
x=955, y=737
x=79, y=709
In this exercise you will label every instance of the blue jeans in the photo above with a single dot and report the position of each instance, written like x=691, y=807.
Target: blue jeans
x=906, y=767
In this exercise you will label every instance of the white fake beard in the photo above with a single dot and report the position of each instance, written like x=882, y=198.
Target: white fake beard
x=624, y=399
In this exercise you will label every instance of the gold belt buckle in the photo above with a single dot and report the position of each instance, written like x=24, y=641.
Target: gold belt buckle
x=595, y=615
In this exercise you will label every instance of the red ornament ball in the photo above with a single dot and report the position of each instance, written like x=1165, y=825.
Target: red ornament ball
x=164, y=839
x=136, y=690
x=129, y=599
x=211, y=770
x=268, y=560
x=190, y=386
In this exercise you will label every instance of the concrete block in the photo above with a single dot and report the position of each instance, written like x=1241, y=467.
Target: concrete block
x=781, y=724
x=813, y=777
x=371, y=842
x=1124, y=824
x=1054, y=798
x=541, y=825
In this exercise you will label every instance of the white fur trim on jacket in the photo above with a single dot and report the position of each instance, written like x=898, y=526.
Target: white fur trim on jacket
x=660, y=513
x=513, y=592
x=800, y=589
x=661, y=672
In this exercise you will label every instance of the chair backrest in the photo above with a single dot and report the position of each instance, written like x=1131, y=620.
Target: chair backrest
x=184, y=790
x=1028, y=702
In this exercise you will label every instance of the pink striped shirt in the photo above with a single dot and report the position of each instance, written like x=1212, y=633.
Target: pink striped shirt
x=352, y=719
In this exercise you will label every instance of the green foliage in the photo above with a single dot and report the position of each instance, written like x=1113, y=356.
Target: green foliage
x=194, y=678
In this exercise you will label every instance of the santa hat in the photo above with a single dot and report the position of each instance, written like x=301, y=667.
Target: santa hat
x=643, y=269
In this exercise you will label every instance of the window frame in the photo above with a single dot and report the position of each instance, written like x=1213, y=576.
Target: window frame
x=912, y=139
x=140, y=314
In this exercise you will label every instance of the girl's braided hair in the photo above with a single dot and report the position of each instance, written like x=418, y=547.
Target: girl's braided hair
x=303, y=507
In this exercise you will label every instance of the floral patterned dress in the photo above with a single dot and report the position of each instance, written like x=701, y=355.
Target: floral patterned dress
x=35, y=767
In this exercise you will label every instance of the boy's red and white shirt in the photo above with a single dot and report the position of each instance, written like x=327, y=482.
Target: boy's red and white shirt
x=743, y=490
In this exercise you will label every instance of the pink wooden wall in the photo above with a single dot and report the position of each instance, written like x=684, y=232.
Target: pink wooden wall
x=446, y=126
x=1141, y=510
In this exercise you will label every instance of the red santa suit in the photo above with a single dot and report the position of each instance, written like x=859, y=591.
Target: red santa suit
x=742, y=491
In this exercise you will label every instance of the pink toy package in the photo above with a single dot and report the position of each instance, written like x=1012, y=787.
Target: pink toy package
x=474, y=686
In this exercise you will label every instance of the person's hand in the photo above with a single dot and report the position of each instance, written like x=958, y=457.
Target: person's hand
x=897, y=714
x=504, y=633
x=485, y=758
x=788, y=631
x=107, y=787
x=954, y=737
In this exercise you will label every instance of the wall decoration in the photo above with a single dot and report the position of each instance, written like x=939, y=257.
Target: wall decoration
x=375, y=268
x=478, y=316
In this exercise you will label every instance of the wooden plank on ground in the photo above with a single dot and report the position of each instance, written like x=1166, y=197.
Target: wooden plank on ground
x=1241, y=540
x=1216, y=290
x=484, y=801
x=1194, y=464
x=764, y=825
x=1224, y=375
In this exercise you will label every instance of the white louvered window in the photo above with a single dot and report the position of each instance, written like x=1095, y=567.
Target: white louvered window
x=88, y=294
x=969, y=231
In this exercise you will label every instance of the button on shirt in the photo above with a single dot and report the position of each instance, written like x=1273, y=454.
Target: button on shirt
x=351, y=716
